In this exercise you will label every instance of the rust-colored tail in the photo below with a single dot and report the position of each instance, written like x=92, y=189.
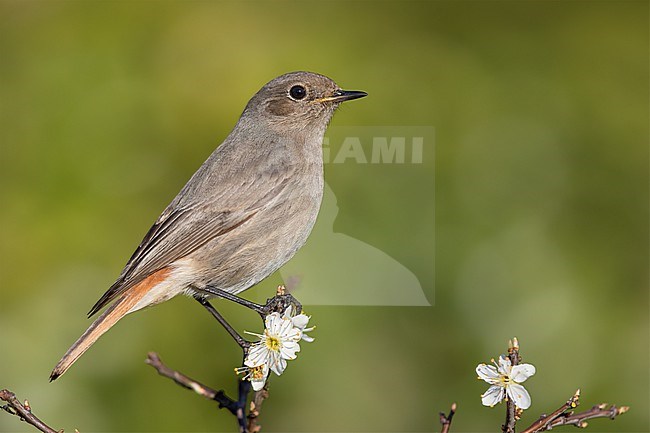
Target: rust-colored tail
x=120, y=308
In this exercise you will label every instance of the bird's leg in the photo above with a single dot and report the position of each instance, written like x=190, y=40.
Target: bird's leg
x=278, y=303
x=243, y=343
x=234, y=298
x=244, y=385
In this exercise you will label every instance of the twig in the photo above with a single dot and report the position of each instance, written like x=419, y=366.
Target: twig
x=598, y=411
x=247, y=423
x=445, y=420
x=254, y=411
x=512, y=414
x=244, y=389
x=545, y=421
x=565, y=416
x=236, y=407
x=186, y=382
x=23, y=411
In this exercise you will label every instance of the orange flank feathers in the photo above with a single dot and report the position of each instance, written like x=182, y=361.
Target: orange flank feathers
x=121, y=307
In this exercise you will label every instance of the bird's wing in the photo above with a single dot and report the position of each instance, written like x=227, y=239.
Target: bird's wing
x=183, y=228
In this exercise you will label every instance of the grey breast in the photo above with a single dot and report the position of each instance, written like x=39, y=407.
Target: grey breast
x=280, y=183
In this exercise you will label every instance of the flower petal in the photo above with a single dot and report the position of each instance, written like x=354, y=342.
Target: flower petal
x=294, y=334
x=289, y=349
x=269, y=321
x=488, y=373
x=521, y=372
x=279, y=324
x=258, y=382
x=287, y=312
x=504, y=365
x=300, y=321
x=257, y=355
x=286, y=327
x=492, y=396
x=278, y=366
x=519, y=395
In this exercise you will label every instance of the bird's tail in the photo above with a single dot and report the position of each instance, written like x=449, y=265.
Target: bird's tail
x=120, y=308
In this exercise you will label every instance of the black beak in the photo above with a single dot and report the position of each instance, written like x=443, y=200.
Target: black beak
x=346, y=95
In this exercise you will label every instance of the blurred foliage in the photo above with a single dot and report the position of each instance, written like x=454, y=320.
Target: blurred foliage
x=541, y=203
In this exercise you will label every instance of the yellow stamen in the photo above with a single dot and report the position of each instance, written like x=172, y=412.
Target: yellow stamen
x=272, y=343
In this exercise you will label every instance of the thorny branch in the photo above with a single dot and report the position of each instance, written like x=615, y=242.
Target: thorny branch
x=247, y=422
x=186, y=382
x=564, y=415
x=254, y=411
x=23, y=411
x=545, y=421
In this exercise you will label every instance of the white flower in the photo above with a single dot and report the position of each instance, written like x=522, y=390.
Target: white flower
x=278, y=344
x=300, y=321
x=256, y=375
x=505, y=382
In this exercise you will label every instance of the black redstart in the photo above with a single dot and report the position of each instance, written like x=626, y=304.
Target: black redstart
x=242, y=215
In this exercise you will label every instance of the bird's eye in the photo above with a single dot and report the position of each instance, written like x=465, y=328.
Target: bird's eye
x=297, y=92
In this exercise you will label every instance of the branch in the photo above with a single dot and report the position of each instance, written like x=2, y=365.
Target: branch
x=186, y=382
x=565, y=416
x=247, y=423
x=545, y=421
x=23, y=411
x=445, y=420
x=236, y=407
x=254, y=411
x=512, y=413
x=598, y=411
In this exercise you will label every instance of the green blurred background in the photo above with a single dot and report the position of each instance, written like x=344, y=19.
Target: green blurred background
x=540, y=112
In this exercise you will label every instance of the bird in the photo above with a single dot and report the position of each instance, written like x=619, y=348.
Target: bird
x=243, y=214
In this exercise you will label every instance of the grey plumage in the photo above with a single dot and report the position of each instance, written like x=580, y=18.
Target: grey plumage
x=242, y=215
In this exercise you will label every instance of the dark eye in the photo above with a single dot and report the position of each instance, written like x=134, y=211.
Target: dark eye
x=297, y=92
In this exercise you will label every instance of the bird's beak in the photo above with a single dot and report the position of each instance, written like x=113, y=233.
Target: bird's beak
x=343, y=95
